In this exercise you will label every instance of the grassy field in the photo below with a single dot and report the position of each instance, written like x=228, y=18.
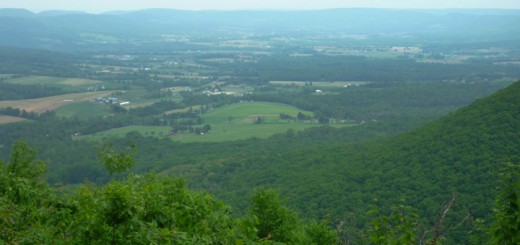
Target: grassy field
x=51, y=103
x=237, y=121
x=55, y=81
x=232, y=122
x=241, y=131
x=247, y=112
x=10, y=119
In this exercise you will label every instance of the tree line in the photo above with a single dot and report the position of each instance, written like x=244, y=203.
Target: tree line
x=145, y=209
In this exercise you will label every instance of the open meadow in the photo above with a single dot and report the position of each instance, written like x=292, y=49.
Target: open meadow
x=51, y=103
x=10, y=119
x=228, y=123
x=51, y=81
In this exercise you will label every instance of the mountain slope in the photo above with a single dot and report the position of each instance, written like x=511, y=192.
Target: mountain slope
x=458, y=155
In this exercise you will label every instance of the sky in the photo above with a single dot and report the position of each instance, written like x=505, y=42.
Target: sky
x=98, y=6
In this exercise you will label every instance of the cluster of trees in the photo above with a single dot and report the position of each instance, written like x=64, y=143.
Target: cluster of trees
x=138, y=209
x=360, y=68
x=191, y=99
x=39, y=62
x=15, y=112
x=9, y=91
x=149, y=209
x=381, y=101
x=182, y=128
x=70, y=158
x=299, y=116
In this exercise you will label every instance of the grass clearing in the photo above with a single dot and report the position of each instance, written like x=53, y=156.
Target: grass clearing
x=228, y=123
x=237, y=121
x=10, y=119
x=240, y=131
x=247, y=110
x=51, y=103
x=55, y=81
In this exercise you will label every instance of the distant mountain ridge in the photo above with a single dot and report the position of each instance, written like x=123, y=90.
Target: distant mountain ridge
x=25, y=12
x=13, y=12
x=68, y=25
x=60, y=12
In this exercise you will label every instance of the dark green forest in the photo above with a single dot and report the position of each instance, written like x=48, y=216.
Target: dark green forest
x=147, y=209
x=457, y=156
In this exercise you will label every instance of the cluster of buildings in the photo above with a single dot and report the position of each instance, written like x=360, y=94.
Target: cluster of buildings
x=109, y=100
x=96, y=88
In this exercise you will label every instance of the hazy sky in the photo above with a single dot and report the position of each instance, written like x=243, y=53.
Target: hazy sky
x=96, y=6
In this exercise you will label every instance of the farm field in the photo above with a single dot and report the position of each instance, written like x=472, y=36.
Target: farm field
x=248, y=111
x=230, y=133
x=54, y=81
x=228, y=123
x=242, y=131
x=10, y=119
x=51, y=103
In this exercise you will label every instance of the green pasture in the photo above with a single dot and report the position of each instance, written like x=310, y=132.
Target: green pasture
x=248, y=111
x=232, y=122
x=52, y=81
x=241, y=131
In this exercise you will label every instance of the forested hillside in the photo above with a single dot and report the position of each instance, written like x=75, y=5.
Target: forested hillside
x=456, y=156
x=402, y=178
x=140, y=209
